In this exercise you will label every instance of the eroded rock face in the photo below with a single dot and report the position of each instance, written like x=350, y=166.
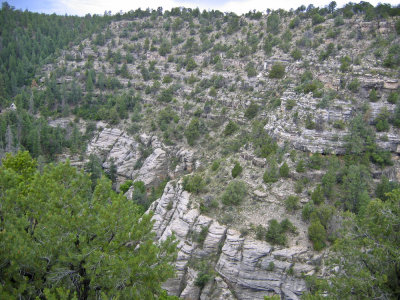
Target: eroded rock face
x=245, y=268
x=289, y=124
x=154, y=168
x=186, y=161
x=113, y=144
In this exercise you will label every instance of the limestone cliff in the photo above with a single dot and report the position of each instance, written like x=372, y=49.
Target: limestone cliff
x=243, y=268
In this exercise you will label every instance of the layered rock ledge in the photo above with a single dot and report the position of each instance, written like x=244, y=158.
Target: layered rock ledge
x=243, y=268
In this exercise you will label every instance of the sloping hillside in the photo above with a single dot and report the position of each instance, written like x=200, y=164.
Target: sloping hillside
x=257, y=137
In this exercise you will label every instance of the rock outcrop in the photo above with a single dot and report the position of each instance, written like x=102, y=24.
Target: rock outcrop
x=154, y=168
x=186, y=161
x=114, y=145
x=288, y=125
x=244, y=268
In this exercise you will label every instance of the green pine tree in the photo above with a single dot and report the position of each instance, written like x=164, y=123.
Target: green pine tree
x=60, y=238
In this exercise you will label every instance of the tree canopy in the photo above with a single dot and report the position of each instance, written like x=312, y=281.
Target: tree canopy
x=59, y=238
x=365, y=262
